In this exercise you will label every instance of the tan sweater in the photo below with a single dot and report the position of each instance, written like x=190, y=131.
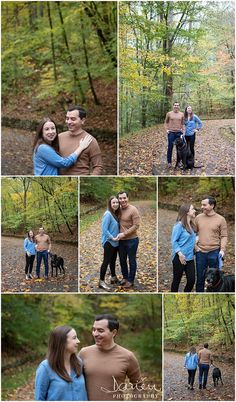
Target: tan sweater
x=43, y=242
x=88, y=162
x=212, y=232
x=205, y=356
x=129, y=222
x=174, y=121
x=107, y=369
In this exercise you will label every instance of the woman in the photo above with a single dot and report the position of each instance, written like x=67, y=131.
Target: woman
x=60, y=377
x=110, y=230
x=192, y=125
x=46, y=156
x=191, y=363
x=30, y=251
x=183, y=242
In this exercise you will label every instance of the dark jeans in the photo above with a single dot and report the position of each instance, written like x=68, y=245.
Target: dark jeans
x=109, y=258
x=29, y=261
x=42, y=255
x=191, y=377
x=128, y=249
x=203, y=371
x=178, y=270
x=171, y=138
x=203, y=261
x=190, y=139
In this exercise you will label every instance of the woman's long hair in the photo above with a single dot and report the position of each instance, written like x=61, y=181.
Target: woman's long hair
x=186, y=113
x=33, y=237
x=115, y=214
x=192, y=350
x=182, y=217
x=56, y=353
x=39, y=136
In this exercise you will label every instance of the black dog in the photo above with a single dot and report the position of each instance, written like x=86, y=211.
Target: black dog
x=216, y=281
x=216, y=375
x=184, y=154
x=57, y=263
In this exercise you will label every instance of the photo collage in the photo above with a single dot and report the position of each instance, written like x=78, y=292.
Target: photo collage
x=118, y=200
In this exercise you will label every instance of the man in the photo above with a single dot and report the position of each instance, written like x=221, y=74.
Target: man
x=212, y=239
x=174, y=126
x=89, y=161
x=107, y=364
x=205, y=359
x=43, y=247
x=128, y=239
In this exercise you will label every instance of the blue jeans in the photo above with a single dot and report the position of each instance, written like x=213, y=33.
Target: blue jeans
x=128, y=249
x=203, y=261
x=42, y=255
x=203, y=371
x=172, y=136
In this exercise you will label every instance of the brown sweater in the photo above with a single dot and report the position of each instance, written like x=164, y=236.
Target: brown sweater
x=88, y=162
x=205, y=356
x=43, y=242
x=107, y=369
x=212, y=232
x=174, y=121
x=129, y=222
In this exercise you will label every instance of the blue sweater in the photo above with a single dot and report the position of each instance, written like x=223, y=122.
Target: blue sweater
x=29, y=246
x=110, y=228
x=191, y=361
x=47, y=161
x=191, y=125
x=49, y=386
x=183, y=241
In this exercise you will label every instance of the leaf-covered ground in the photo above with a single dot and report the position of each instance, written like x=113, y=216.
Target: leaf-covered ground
x=214, y=148
x=91, y=254
x=166, y=220
x=176, y=380
x=13, y=269
x=17, y=153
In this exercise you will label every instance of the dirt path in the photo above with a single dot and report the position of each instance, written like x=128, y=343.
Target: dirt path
x=91, y=254
x=13, y=274
x=166, y=220
x=176, y=379
x=214, y=150
x=17, y=153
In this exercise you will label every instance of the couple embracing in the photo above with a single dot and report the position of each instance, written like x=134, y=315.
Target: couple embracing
x=119, y=235
x=204, y=237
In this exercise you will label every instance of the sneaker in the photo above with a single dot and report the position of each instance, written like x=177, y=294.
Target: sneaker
x=123, y=282
x=115, y=280
x=200, y=386
x=37, y=277
x=26, y=277
x=104, y=286
x=46, y=277
x=30, y=276
x=169, y=165
x=128, y=285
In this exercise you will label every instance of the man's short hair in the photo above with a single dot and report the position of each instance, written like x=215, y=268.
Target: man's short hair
x=211, y=200
x=82, y=112
x=205, y=345
x=122, y=192
x=176, y=102
x=113, y=323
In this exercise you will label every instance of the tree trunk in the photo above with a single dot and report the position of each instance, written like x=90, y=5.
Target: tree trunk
x=52, y=42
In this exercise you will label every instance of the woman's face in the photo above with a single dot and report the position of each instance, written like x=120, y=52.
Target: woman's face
x=191, y=212
x=189, y=109
x=115, y=204
x=72, y=342
x=31, y=233
x=49, y=132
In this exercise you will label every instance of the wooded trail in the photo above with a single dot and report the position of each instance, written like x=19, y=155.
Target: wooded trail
x=176, y=381
x=166, y=221
x=17, y=153
x=13, y=269
x=214, y=148
x=91, y=254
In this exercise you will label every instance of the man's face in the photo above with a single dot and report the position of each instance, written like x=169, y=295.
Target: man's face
x=102, y=335
x=123, y=200
x=176, y=107
x=41, y=231
x=206, y=207
x=73, y=121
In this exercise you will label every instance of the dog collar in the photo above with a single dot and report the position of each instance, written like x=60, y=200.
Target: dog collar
x=217, y=283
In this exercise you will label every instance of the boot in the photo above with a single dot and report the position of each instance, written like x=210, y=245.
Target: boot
x=104, y=286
